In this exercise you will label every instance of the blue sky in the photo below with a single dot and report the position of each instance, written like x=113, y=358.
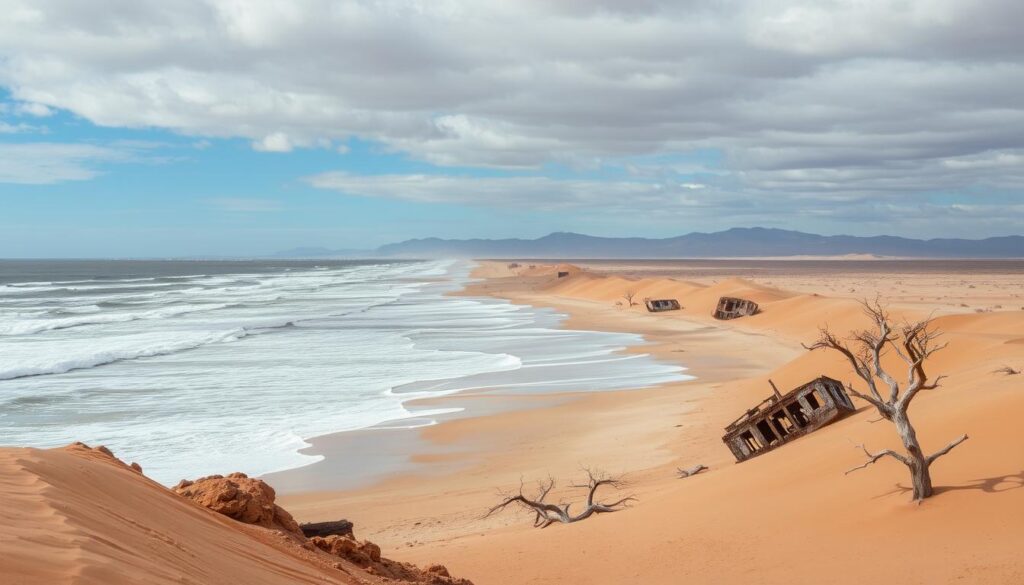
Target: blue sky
x=164, y=194
x=219, y=128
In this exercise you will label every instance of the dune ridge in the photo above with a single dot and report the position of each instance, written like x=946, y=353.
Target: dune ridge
x=79, y=515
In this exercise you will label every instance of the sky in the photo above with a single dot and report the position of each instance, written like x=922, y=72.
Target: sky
x=242, y=127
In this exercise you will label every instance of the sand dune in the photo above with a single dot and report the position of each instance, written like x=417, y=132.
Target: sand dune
x=79, y=515
x=790, y=516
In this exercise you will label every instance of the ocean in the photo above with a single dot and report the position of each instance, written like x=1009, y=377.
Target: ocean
x=198, y=367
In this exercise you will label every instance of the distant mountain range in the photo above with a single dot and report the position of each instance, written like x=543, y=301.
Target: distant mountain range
x=736, y=242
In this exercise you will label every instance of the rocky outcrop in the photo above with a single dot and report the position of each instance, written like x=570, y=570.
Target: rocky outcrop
x=251, y=501
x=366, y=555
x=360, y=553
x=240, y=497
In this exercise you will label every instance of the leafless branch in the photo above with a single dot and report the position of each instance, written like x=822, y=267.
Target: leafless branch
x=546, y=514
x=913, y=343
x=873, y=457
x=946, y=449
x=629, y=295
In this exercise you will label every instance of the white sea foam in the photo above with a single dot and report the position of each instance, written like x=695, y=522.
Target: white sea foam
x=228, y=372
x=70, y=356
x=29, y=326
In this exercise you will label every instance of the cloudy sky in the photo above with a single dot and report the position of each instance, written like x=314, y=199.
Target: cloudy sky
x=160, y=127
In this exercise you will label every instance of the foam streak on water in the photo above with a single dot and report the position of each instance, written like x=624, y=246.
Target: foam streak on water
x=196, y=373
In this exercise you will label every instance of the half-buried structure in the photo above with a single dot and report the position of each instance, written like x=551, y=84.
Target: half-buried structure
x=780, y=418
x=732, y=308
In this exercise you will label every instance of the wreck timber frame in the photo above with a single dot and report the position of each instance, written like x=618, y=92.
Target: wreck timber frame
x=780, y=418
x=733, y=308
x=660, y=305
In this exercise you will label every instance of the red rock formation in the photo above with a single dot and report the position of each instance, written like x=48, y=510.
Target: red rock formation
x=239, y=497
x=360, y=553
x=251, y=501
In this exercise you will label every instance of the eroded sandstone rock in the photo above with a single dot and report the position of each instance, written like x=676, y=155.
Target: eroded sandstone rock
x=240, y=497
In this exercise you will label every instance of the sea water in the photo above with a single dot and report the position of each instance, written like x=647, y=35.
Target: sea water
x=199, y=367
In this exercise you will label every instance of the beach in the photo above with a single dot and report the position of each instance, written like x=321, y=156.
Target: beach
x=591, y=398
x=792, y=515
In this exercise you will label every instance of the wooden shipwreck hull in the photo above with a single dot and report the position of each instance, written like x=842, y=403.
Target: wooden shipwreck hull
x=782, y=418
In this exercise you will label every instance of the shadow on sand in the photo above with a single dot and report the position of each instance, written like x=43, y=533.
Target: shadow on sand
x=989, y=485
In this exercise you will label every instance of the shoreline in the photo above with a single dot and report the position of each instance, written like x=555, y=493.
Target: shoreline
x=643, y=435
x=485, y=444
x=403, y=448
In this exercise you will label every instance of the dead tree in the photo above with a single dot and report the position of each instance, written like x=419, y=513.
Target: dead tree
x=629, y=295
x=914, y=343
x=546, y=514
x=1006, y=370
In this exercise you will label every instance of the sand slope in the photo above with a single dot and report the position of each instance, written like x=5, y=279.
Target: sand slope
x=790, y=516
x=76, y=515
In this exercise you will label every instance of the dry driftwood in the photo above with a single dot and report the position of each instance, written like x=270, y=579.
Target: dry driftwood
x=684, y=473
x=546, y=514
x=914, y=343
x=338, y=527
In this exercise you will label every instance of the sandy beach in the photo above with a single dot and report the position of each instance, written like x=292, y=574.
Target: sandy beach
x=791, y=515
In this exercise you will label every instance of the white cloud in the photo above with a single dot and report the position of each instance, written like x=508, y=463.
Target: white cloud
x=33, y=109
x=535, y=192
x=6, y=128
x=886, y=207
x=275, y=142
x=42, y=163
x=819, y=99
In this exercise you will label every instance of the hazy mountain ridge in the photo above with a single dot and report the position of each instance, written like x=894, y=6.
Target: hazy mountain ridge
x=736, y=242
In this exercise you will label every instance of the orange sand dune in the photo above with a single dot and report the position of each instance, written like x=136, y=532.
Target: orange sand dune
x=790, y=516
x=79, y=515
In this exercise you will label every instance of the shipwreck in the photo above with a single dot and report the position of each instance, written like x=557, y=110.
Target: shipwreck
x=732, y=308
x=659, y=305
x=781, y=418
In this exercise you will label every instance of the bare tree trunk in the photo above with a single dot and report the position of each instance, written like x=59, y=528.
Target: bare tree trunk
x=914, y=343
x=917, y=462
x=922, y=478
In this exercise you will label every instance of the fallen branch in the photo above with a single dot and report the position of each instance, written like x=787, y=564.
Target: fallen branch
x=546, y=514
x=684, y=473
